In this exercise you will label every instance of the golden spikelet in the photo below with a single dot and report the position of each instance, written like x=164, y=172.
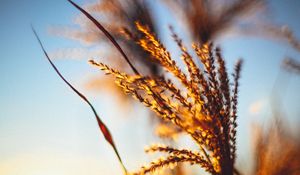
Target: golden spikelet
x=205, y=108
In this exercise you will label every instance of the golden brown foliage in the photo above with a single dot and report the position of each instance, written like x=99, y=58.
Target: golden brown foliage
x=203, y=106
x=207, y=19
x=211, y=19
x=277, y=151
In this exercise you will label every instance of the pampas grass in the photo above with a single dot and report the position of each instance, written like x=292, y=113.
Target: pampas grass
x=204, y=109
x=277, y=150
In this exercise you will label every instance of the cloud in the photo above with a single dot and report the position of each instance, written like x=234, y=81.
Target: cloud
x=78, y=53
x=257, y=107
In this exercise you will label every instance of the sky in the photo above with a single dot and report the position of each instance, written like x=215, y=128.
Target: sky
x=46, y=129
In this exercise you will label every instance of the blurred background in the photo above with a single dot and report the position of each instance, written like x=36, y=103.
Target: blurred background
x=46, y=129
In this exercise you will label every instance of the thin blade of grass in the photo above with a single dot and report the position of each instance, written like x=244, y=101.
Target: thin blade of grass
x=103, y=128
x=107, y=34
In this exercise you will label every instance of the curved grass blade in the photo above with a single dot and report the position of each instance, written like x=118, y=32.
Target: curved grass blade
x=114, y=42
x=102, y=126
x=107, y=34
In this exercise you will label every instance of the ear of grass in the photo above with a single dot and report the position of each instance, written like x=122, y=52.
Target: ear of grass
x=106, y=33
x=103, y=128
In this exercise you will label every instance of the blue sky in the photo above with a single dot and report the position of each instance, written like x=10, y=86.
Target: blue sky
x=46, y=129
